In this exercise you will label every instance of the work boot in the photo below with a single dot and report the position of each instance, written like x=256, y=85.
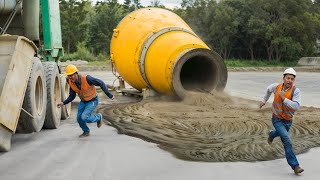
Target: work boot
x=269, y=139
x=99, y=123
x=84, y=134
x=298, y=170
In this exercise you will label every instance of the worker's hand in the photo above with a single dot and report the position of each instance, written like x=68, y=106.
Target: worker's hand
x=112, y=97
x=60, y=105
x=281, y=94
x=262, y=104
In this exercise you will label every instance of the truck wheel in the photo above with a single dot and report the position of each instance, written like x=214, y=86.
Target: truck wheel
x=53, y=114
x=65, y=110
x=5, y=139
x=35, y=100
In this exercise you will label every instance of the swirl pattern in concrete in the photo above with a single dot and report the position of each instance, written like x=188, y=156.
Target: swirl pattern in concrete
x=213, y=127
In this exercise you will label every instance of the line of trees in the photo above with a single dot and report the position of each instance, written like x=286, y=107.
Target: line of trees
x=274, y=30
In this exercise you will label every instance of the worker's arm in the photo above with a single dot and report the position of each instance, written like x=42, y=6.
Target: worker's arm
x=71, y=97
x=97, y=82
x=270, y=89
x=296, y=100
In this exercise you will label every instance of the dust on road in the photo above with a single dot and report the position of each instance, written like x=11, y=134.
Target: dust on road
x=212, y=127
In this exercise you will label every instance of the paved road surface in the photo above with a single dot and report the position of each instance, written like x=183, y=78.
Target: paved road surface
x=252, y=85
x=60, y=154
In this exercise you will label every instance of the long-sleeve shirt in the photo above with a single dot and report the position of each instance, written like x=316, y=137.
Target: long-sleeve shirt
x=91, y=81
x=294, y=103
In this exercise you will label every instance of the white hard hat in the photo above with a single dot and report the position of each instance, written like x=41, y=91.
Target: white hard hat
x=290, y=71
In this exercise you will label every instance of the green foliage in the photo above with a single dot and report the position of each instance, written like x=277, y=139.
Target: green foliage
x=137, y=4
x=103, y=57
x=276, y=31
x=99, y=63
x=82, y=53
x=70, y=57
x=128, y=6
x=156, y=3
x=108, y=15
x=224, y=27
x=74, y=22
x=258, y=63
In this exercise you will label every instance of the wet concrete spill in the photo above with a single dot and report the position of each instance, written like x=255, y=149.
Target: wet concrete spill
x=212, y=127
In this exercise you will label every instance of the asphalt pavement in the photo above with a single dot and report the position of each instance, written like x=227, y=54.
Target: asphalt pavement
x=59, y=154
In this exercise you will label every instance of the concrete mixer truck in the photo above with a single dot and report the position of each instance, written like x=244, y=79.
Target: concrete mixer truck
x=151, y=48
x=30, y=80
x=154, y=49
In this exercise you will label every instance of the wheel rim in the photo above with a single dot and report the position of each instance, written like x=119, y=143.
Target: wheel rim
x=39, y=96
x=57, y=94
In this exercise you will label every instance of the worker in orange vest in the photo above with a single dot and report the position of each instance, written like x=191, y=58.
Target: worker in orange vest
x=287, y=101
x=84, y=86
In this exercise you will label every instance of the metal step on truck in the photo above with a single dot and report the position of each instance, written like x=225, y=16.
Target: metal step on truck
x=31, y=83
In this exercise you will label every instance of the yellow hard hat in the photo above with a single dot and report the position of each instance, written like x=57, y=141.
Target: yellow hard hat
x=71, y=69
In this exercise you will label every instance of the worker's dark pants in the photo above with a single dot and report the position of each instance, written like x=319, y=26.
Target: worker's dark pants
x=282, y=128
x=85, y=115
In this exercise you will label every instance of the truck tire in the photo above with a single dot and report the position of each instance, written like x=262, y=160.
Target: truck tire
x=53, y=114
x=35, y=100
x=5, y=139
x=65, y=110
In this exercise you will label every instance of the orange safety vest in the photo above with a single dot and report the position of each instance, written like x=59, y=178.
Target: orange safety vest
x=87, y=92
x=279, y=109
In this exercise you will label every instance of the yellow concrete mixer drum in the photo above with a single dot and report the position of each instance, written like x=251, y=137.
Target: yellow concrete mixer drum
x=154, y=48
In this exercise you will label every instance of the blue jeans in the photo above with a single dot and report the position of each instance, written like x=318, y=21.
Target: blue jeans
x=282, y=128
x=85, y=115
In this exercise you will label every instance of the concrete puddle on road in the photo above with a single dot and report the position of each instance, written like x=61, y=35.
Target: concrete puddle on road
x=212, y=127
